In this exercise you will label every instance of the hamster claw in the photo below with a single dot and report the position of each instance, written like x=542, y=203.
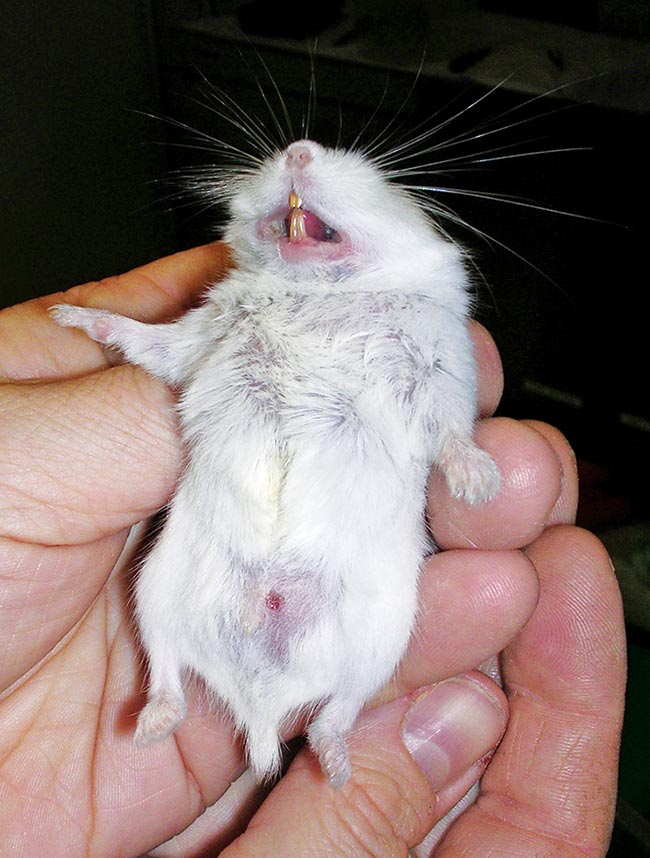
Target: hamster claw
x=160, y=717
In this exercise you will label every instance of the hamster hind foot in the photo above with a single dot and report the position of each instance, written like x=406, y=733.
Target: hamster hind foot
x=160, y=717
x=327, y=736
x=333, y=756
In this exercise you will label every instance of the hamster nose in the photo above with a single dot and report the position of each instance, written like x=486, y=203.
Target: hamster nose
x=298, y=155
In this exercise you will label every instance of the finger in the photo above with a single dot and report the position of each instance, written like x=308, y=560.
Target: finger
x=159, y=290
x=45, y=592
x=551, y=786
x=539, y=481
x=411, y=760
x=566, y=506
x=33, y=346
x=219, y=824
x=471, y=605
x=85, y=458
x=490, y=370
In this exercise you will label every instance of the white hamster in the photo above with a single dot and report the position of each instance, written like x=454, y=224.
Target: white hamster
x=317, y=384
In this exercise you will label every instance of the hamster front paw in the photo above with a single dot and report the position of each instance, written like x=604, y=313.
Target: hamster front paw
x=100, y=325
x=470, y=472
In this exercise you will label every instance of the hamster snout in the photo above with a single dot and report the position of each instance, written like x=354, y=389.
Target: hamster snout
x=299, y=154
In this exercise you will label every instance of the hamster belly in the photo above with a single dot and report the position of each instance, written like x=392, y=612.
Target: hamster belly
x=300, y=520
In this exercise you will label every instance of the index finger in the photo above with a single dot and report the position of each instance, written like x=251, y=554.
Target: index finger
x=33, y=346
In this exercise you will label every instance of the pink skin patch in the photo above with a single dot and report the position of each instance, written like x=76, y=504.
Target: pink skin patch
x=273, y=601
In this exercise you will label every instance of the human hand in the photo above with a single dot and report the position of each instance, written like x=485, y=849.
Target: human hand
x=92, y=450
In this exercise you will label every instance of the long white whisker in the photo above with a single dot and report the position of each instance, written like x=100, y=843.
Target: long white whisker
x=465, y=138
x=442, y=211
x=412, y=148
x=428, y=133
x=502, y=198
x=286, y=134
x=385, y=134
x=213, y=144
x=467, y=160
x=339, y=136
x=228, y=109
x=355, y=143
x=311, y=95
x=562, y=150
x=542, y=95
x=253, y=129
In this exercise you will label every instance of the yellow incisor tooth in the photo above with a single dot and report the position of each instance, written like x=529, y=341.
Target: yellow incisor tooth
x=294, y=200
x=297, y=229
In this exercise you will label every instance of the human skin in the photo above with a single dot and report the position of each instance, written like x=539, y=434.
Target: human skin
x=91, y=449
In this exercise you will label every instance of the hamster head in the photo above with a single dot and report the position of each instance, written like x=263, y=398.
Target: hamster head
x=313, y=214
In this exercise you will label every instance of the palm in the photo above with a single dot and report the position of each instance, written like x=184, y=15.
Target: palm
x=69, y=498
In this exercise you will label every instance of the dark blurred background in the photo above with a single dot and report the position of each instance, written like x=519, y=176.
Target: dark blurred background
x=84, y=170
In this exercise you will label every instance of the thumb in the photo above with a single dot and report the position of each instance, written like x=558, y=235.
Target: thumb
x=412, y=760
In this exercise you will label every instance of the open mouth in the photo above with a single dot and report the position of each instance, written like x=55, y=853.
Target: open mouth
x=301, y=224
x=302, y=236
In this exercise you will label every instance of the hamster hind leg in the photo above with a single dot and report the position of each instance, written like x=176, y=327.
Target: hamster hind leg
x=157, y=604
x=159, y=718
x=165, y=707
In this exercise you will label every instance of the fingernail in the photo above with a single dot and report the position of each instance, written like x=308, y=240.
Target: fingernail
x=450, y=727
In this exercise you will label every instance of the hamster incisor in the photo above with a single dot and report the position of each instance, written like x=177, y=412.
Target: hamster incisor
x=317, y=385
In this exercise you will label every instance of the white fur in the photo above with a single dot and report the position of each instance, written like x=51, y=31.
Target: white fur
x=314, y=397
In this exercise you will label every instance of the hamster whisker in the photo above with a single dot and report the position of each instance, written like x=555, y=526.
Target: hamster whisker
x=426, y=168
x=439, y=210
x=414, y=141
x=310, y=111
x=210, y=144
x=251, y=127
x=384, y=135
x=412, y=148
x=231, y=111
x=285, y=134
x=356, y=143
x=500, y=198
